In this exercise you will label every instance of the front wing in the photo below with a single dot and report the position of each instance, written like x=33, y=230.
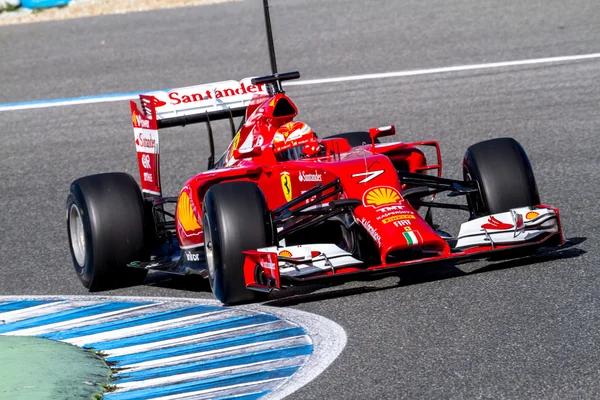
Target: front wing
x=526, y=228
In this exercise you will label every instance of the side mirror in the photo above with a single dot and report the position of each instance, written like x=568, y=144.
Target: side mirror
x=382, y=131
x=240, y=154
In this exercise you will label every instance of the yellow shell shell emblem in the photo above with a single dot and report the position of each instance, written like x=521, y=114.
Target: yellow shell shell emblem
x=185, y=214
x=380, y=196
x=286, y=185
x=532, y=215
x=285, y=253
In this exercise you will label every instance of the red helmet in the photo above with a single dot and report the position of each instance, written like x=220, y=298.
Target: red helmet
x=295, y=140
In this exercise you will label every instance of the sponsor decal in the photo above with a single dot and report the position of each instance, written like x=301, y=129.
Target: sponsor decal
x=495, y=224
x=146, y=161
x=186, y=215
x=368, y=176
x=145, y=142
x=147, y=177
x=407, y=228
x=192, y=257
x=372, y=231
x=398, y=209
x=387, y=215
x=531, y=215
x=402, y=222
x=177, y=97
x=381, y=196
x=308, y=177
x=139, y=122
x=286, y=185
x=267, y=265
x=398, y=218
x=313, y=198
x=412, y=237
x=259, y=140
x=285, y=253
x=157, y=102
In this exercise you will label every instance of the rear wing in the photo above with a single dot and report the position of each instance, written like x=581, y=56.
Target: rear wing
x=180, y=107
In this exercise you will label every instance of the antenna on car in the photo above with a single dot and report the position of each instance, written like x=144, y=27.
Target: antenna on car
x=276, y=78
x=270, y=37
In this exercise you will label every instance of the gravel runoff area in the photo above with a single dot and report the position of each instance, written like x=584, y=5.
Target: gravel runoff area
x=88, y=8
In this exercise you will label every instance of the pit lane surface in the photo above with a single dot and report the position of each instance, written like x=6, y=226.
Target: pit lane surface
x=506, y=330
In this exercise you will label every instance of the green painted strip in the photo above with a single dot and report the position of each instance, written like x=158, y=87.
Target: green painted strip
x=41, y=369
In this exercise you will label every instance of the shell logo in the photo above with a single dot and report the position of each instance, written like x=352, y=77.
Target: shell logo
x=185, y=214
x=285, y=253
x=380, y=196
x=531, y=215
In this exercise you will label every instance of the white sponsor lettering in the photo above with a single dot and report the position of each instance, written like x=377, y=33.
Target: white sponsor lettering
x=372, y=231
x=387, y=209
x=143, y=123
x=308, y=177
x=402, y=222
x=148, y=143
x=267, y=265
x=146, y=161
x=147, y=177
x=192, y=257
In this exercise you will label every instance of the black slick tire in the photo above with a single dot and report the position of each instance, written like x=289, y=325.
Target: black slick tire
x=235, y=218
x=107, y=228
x=504, y=174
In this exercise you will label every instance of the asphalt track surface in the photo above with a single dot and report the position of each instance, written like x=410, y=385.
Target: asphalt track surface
x=521, y=330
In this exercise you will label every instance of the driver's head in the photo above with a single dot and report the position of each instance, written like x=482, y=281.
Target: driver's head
x=295, y=140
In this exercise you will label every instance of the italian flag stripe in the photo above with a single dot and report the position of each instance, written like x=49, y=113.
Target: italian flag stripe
x=412, y=238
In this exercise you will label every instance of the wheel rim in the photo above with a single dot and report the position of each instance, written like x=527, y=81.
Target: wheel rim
x=77, y=233
x=208, y=248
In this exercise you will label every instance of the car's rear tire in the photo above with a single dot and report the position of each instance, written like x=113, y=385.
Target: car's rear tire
x=107, y=228
x=235, y=218
x=504, y=174
x=355, y=139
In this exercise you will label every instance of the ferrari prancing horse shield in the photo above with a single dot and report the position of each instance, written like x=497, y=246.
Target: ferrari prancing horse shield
x=286, y=185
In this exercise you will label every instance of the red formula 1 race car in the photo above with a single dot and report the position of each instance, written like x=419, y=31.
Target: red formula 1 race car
x=282, y=207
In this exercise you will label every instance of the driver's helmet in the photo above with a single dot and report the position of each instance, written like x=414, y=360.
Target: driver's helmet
x=295, y=140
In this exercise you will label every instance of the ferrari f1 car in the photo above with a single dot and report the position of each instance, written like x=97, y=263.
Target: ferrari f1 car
x=281, y=208
x=253, y=222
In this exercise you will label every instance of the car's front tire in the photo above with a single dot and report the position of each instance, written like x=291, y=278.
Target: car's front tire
x=504, y=174
x=107, y=228
x=235, y=218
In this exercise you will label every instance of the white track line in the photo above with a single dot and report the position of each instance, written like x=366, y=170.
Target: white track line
x=181, y=341
x=137, y=330
x=159, y=362
x=64, y=325
x=443, y=70
x=210, y=373
x=384, y=75
x=226, y=352
x=225, y=391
